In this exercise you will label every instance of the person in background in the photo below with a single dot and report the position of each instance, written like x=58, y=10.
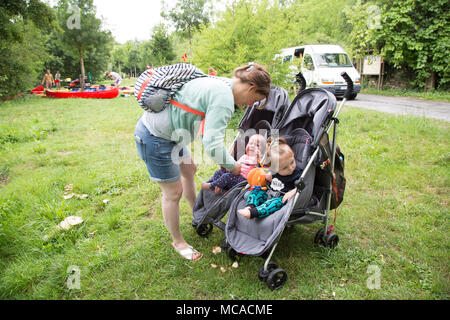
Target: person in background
x=48, y=79
x=115, y=77
x=58, y=80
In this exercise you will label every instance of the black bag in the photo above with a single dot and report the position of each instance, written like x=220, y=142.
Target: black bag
x=323, y=174
x=338, y=187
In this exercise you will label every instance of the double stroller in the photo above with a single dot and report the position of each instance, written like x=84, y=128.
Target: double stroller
x=304, y=123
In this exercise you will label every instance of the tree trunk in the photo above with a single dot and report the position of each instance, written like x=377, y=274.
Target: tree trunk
x=431, y=82
x=82, y=69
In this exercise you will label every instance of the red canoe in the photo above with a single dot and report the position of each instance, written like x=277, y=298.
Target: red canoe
x=38, y=89
x=105, y=94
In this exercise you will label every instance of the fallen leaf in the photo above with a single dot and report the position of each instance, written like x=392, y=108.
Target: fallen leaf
x=68, y=196
x=223, y=269
x=235, y=265
x=92, y=234
x=105, y=201
x=216, y=250
x=69, y=187
x=81, y=196
x=69, y=222
x=213, y=265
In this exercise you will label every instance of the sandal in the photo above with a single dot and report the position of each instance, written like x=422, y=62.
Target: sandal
x=188, y=253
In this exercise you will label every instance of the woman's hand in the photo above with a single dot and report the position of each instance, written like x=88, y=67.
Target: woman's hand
x=289, y=195
x=269, y=177
x=237, y=171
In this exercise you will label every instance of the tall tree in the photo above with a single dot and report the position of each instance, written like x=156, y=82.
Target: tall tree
x=83, y=33
x=188, y=15
x=161, y=47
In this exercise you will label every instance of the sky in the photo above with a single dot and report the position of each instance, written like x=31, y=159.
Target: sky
x=133, y=19
x=130, y=19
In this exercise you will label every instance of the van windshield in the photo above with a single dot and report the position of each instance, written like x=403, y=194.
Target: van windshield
x=331, y=60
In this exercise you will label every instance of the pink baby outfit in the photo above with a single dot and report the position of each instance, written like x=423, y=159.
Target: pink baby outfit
x=247, y=163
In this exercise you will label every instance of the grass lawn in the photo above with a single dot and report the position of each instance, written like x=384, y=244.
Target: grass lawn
x=394, y=218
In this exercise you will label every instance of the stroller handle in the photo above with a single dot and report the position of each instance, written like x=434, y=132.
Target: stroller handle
x=301, y=80
x=349, y=81
x=347, y=94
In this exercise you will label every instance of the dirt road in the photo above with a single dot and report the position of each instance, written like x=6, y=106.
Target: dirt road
x=403, y=106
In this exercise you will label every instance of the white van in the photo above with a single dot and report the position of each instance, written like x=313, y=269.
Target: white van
x=322, y=65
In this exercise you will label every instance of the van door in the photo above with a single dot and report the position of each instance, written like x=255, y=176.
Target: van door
x=308, y=69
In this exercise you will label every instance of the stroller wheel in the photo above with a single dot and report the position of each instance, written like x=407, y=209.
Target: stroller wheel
x=318, y=239
x=331, y=240
x=204, y=229
x=276, y=279
x=262, y=275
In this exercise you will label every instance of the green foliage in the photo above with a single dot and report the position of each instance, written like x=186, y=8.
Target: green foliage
x=23, y=29
x=256, y=30
x=21, y=61
x=408, y=33
x=188, y=16
x=160, y=47
x=134, y=56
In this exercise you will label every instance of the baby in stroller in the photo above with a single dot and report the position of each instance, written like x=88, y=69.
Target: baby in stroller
x=282, y=187
x=224, y=180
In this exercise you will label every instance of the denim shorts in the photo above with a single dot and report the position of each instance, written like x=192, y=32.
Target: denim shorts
x=161, y=156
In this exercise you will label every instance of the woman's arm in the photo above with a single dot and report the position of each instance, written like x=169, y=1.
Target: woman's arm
x=216, y=122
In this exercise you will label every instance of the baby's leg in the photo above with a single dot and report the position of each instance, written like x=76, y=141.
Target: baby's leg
x=269, y=207
x=226, y=181
x=218, y=174
x=212, y=185
x=256, y=197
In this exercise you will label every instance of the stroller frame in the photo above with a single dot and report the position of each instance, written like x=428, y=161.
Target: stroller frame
x=276, y=277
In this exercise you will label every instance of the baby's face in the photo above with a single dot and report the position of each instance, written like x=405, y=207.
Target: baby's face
x=286, y=164
x=254, y=145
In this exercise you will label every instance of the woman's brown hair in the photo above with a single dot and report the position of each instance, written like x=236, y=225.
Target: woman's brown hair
x=256, y=74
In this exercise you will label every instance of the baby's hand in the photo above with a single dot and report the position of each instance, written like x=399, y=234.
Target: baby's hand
x=217, y=190
x=245, y=212
x=289, y=195
x=269, y=177
x=237, y=171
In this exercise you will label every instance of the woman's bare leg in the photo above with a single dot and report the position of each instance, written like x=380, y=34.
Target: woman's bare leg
x=171, y=195
x=188, y=169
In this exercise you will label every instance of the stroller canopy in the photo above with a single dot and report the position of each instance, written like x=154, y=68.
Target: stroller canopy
x=312, y=110
x=272, y=112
